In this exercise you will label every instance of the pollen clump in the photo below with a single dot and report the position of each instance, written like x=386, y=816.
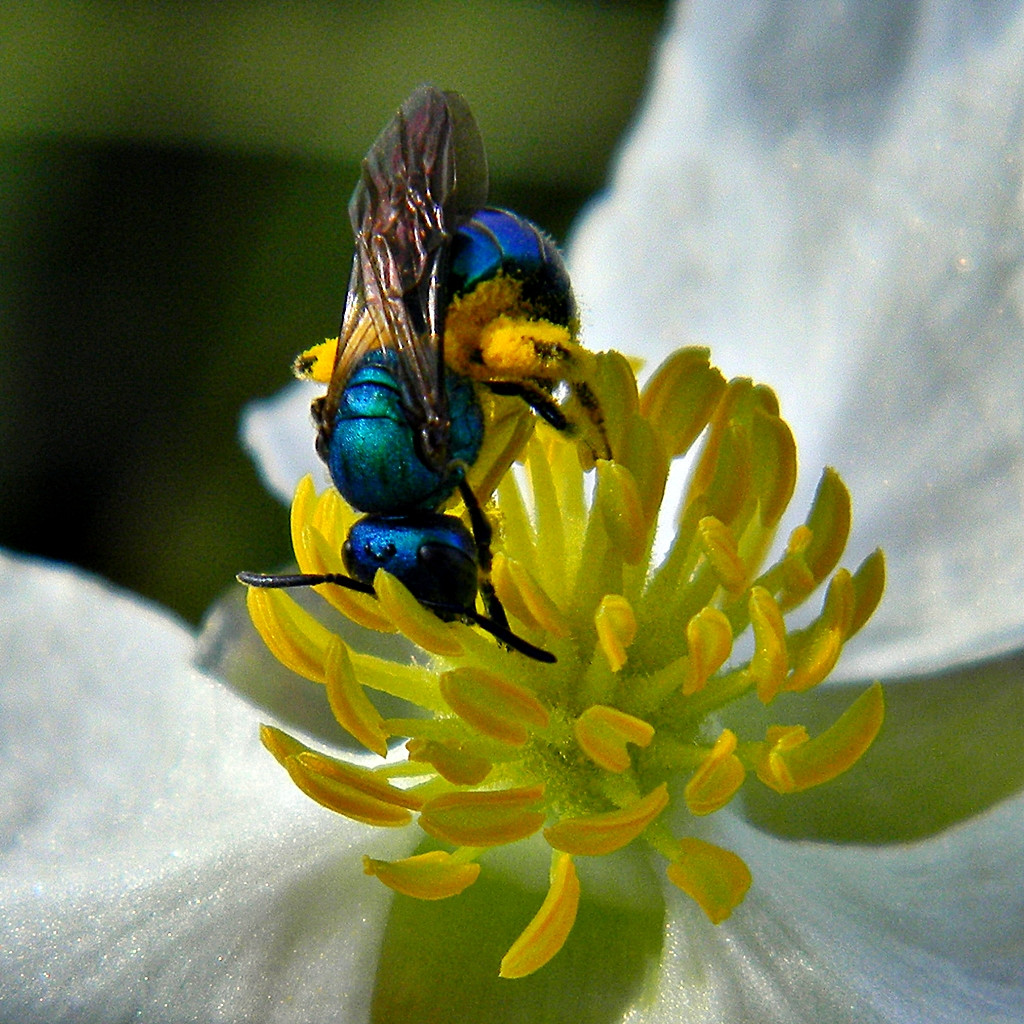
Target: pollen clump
x=618, y=741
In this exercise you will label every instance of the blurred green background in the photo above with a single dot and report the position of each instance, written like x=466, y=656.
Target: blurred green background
x=173, y=184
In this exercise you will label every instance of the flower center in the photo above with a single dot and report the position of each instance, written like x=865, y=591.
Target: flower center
x=587, y=751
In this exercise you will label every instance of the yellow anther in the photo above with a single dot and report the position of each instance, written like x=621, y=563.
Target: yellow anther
x=774, y=465
x=616, y=629
x=490, y=818
x=796, y=576
x=597, y=834
x=419, y=625
x=351, y=707
x=829, y=523
x=719, y=546
x=493, y=705
x=319, y=526
x=525, y=598
x=799, y=541
x=332, y=518
x=622, y=511
x=545, y=935
x=769, y=664
x=715, y=782
x=816, y=661
x=451, y=761
x=303, y=504
x=280, y=744
x=790, y=762
x=603, y=732
x=725, y=469
x=818, y=655
x=715, y=878
x=427, y=876
x=709, y=642
x=294, y=637
x=344, y=788
x=868, y=586
x=681, y=396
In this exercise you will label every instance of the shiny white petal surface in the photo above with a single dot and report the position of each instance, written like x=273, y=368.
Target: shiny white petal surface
x=927, y=933
x=830, y=197
x=156, y=862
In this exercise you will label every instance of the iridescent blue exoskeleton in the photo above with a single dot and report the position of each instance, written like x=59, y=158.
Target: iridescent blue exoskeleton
x=398, y=428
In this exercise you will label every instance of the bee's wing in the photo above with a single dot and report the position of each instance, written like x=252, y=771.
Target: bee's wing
x=425, y=172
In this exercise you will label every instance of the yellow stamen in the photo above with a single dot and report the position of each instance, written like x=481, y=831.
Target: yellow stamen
x=598, y=834
x=716, y=879
x=303, y=505
x=452, y=761
x=493, y=705
x=427, y=876
x=319, y=525
x=681, y=396
x=788, y=761
x=770, y=662
x=341, y=787
x=720, y=548
x=490, y=818
x=829, y=527
x=545, y=935
x=603, y=732
x=294, y=637
x=816, y=660
x=280, y=744
x=775, y=467
x=351, y=707
x=622, y=510
x=709, y=641
x=416, y=622
x=616, y=629
x=868, y=585
x=524, y=598
x=322, y=557
x=715, y=783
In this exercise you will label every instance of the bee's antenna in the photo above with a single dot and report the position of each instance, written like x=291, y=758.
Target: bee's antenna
x=302, y=579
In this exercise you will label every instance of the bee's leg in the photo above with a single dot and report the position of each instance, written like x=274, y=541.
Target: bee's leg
x=482, y=535
x=495, y=621
x=536, y=398
x=541, y=402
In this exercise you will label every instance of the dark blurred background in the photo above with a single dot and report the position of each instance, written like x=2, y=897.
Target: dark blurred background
x=173, y=184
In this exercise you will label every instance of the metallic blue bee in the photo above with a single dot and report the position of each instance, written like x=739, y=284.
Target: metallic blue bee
x=401, y=421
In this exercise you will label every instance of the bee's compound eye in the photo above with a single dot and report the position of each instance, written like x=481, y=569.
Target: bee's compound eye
x=449, y=572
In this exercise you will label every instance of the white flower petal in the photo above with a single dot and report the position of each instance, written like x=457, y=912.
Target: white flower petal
x=157, y=863
x=831, y=198
x=278, y=434
x=927, y=933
